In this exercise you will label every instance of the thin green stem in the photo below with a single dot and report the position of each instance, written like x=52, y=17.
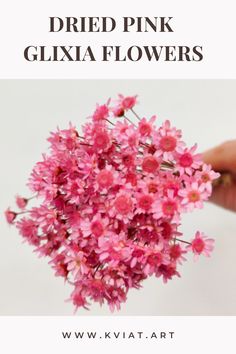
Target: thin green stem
x=177, y=239
x=136, y=115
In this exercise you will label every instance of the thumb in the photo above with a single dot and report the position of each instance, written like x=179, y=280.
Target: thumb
x=222, y=157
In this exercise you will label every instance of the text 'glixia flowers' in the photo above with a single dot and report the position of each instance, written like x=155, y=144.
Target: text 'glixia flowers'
x=111, y=201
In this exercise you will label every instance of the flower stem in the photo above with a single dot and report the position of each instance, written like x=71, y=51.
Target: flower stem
x=129, y=121
x=135, y=114
x=177, y=239
x=110, y=122
x=23, y=212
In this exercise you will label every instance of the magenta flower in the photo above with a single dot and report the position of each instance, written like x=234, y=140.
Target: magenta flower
x=101, y=113
x=201, y=245
x=110, y=202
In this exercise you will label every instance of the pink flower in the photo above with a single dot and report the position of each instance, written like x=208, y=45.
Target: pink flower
x=131, y=178
x=78, y=299
x=113, y=250
x=130, y=139
x=105, y=178
x=154, y=260
x=144, y=203
x=123, y=207
x=127, y=102
x=201, y=245
x=193, y=196
x=76, y=262
x=167, y=207
x=176, y=253
x=150, y=163
x=101, y=140
x=206, y=176
x=21, y=202
x=10, y=216
x=96, y=226
x=187, y=161
x=145, y=127
x=59, y=265
x=166, y=230
x=167, y=139
x=167, y=271
x=29, y=230
x=101, y=113
x=119, y=131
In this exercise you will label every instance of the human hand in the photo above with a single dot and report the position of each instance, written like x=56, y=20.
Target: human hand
x=222, y=158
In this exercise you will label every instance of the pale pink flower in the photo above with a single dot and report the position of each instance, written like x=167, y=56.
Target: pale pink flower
x=119, y=131
x=76, y=263
x=207, y=176
x=21, y=202
x=10, y=216
x=167, y=207
x=193, y=196
x=29, y=230
x=96, y=226
x=127, y=102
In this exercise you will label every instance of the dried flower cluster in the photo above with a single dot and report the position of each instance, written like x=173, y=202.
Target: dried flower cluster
x=111, y=203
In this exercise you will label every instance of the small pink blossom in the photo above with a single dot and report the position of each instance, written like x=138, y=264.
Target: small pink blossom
x=144, y=203
x=207, y=176
x=122, y=208
x=101, y=140
x=105, y=179
x=10, y=216
x=167, y=140
x=150, y=164
x=167, y=207
x=78, y=299
x=177, y=252
x=127, y=102
x=193, y=196
x=29, y=231
x=188, y=161
x=101, y=113
x=21, y=202
x=96, y=226
x=201, y=245
x=146, y=127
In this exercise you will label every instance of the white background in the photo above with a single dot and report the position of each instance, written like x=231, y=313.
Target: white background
x=204, y=110
x=210, y=24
